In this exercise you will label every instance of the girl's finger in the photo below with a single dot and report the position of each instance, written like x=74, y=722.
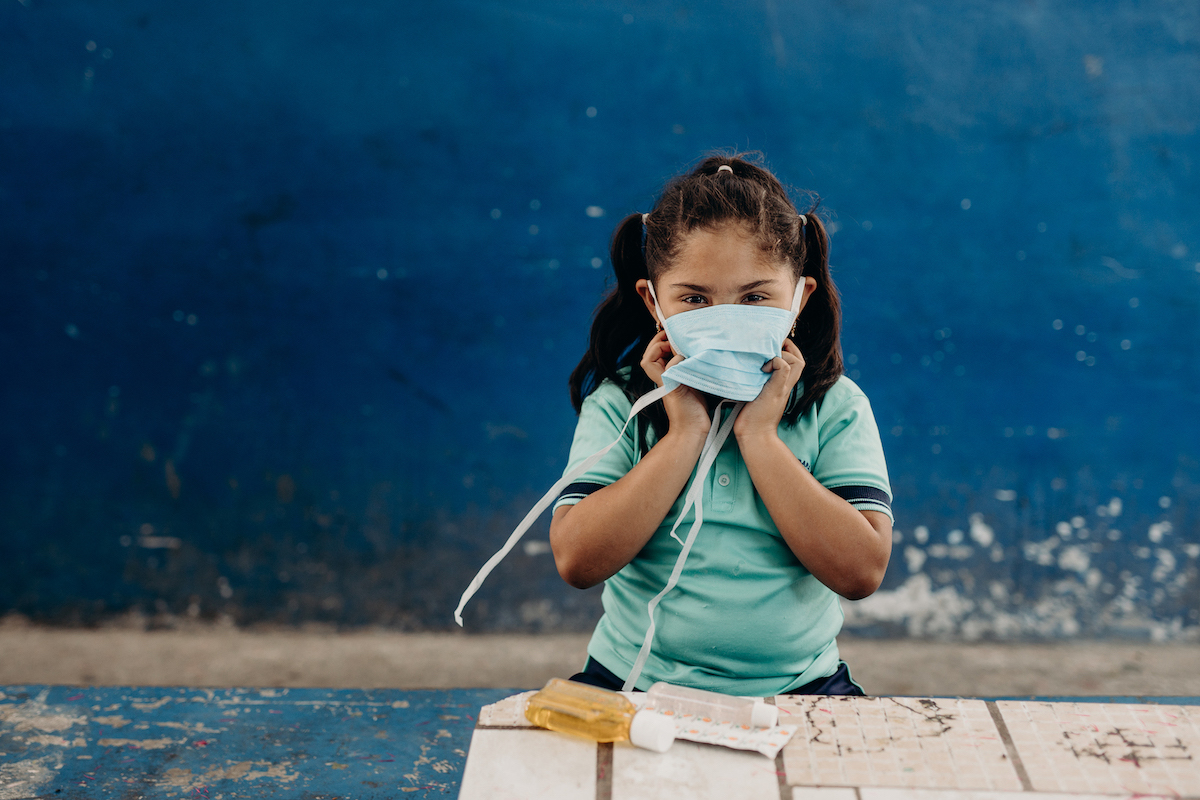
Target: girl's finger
x=774, y=365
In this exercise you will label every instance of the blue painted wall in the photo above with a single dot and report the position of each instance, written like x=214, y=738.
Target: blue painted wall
x=291, y=291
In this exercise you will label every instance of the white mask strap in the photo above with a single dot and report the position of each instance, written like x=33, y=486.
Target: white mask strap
x=695, y=496
x=797, y=299
x=661, y=319
x=549, y=498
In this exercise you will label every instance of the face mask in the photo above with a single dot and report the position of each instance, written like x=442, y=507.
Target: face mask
x=725, y=346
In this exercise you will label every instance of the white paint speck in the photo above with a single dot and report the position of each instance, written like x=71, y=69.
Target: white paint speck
x=595, y=212
x=981, y=533
x=1158, y=530
x=1165, y=565
x=1074, y=559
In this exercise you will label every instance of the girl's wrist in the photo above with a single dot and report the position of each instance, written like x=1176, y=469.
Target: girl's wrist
x=756, y=437
x=686, y=440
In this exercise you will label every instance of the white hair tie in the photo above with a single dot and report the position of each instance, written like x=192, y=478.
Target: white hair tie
x=725, y=168
x=803, y=220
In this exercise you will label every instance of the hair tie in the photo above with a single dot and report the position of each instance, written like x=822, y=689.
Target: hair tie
x=803, y=220
x=644, y=218
x=724, y=168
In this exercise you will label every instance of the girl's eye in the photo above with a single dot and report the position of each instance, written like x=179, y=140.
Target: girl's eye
x=754, y=298
x=695, y=299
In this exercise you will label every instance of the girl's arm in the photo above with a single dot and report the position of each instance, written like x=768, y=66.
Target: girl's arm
x=593, y=539
x=845, y=549
x=600, y=534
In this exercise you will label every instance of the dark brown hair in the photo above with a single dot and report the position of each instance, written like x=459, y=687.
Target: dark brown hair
x=707, y=198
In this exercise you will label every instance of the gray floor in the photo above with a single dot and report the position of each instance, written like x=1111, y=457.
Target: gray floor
x=217, y=656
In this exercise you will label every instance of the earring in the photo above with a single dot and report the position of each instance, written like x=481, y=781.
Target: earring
x=793, y=333
x=657, y=327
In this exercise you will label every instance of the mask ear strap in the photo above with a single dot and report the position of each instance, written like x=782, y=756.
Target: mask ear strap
x=661, y=319
x=797, y=299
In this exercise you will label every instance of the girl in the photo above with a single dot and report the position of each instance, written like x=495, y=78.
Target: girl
x=787, y=513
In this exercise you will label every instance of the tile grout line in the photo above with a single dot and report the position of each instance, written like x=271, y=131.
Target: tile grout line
x=1013, y=757
x=604, y=769
x=785, y=791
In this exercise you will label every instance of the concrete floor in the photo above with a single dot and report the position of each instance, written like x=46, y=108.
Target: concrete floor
x=217, y=656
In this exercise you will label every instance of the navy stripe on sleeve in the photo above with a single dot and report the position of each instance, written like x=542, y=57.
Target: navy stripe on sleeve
x=578, y=490
x=863, y=496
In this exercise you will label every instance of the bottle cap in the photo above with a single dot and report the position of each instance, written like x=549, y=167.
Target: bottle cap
x=652, y=731
x=764, y=715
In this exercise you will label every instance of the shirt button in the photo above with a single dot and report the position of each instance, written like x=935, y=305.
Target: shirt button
x=723, y=480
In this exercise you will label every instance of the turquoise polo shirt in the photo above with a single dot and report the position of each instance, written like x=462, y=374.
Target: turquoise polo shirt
x=746, y=616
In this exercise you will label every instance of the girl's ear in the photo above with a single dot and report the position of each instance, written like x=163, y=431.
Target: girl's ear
x=643, y=289
x=810, y=286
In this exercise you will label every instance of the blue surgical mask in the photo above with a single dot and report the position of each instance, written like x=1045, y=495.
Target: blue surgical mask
x=725, y=346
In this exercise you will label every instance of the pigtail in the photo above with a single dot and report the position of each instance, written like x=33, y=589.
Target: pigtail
x=621, y=328
x=818, y=329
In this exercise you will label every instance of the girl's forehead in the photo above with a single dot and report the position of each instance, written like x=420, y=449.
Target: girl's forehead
x=724, y=255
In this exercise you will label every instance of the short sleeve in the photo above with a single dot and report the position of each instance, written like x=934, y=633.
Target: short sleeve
x=850, y=460
x=601, y=418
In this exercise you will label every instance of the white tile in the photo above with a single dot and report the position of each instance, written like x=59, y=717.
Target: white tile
x=693, y=771
x=529, y=765
x=1107, y=748
x=959, y=794
x=925, y=742
x=509, y=712
x=823, y=793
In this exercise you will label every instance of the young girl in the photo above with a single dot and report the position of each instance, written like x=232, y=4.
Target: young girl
x=724, y=310
x=787, y=513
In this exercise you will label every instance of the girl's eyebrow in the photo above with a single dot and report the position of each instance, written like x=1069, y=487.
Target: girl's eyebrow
x=694, y=287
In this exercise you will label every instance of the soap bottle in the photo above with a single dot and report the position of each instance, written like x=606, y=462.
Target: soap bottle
x=684, y=701
x=598, y=714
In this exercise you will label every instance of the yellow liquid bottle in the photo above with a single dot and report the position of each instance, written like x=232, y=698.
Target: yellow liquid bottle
x=599, y=715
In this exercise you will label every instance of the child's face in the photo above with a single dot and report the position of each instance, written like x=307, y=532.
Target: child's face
x=721, y=266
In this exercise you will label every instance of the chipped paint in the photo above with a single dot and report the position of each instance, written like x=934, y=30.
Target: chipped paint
x=24, y=779
x=141, y=744
x=296, y=743
x=111, y=722
x=233, y=771
x=56, y=741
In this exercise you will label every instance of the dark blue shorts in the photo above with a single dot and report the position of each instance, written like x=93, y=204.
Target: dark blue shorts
x=839, y=683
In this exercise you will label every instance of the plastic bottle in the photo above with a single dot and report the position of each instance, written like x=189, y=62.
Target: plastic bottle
x=598, y=714
x=681, y=700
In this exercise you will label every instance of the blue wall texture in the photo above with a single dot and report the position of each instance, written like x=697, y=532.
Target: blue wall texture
x=291, y=291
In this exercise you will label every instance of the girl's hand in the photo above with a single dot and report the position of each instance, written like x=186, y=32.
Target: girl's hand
x=685, y=407
x=761, y=416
